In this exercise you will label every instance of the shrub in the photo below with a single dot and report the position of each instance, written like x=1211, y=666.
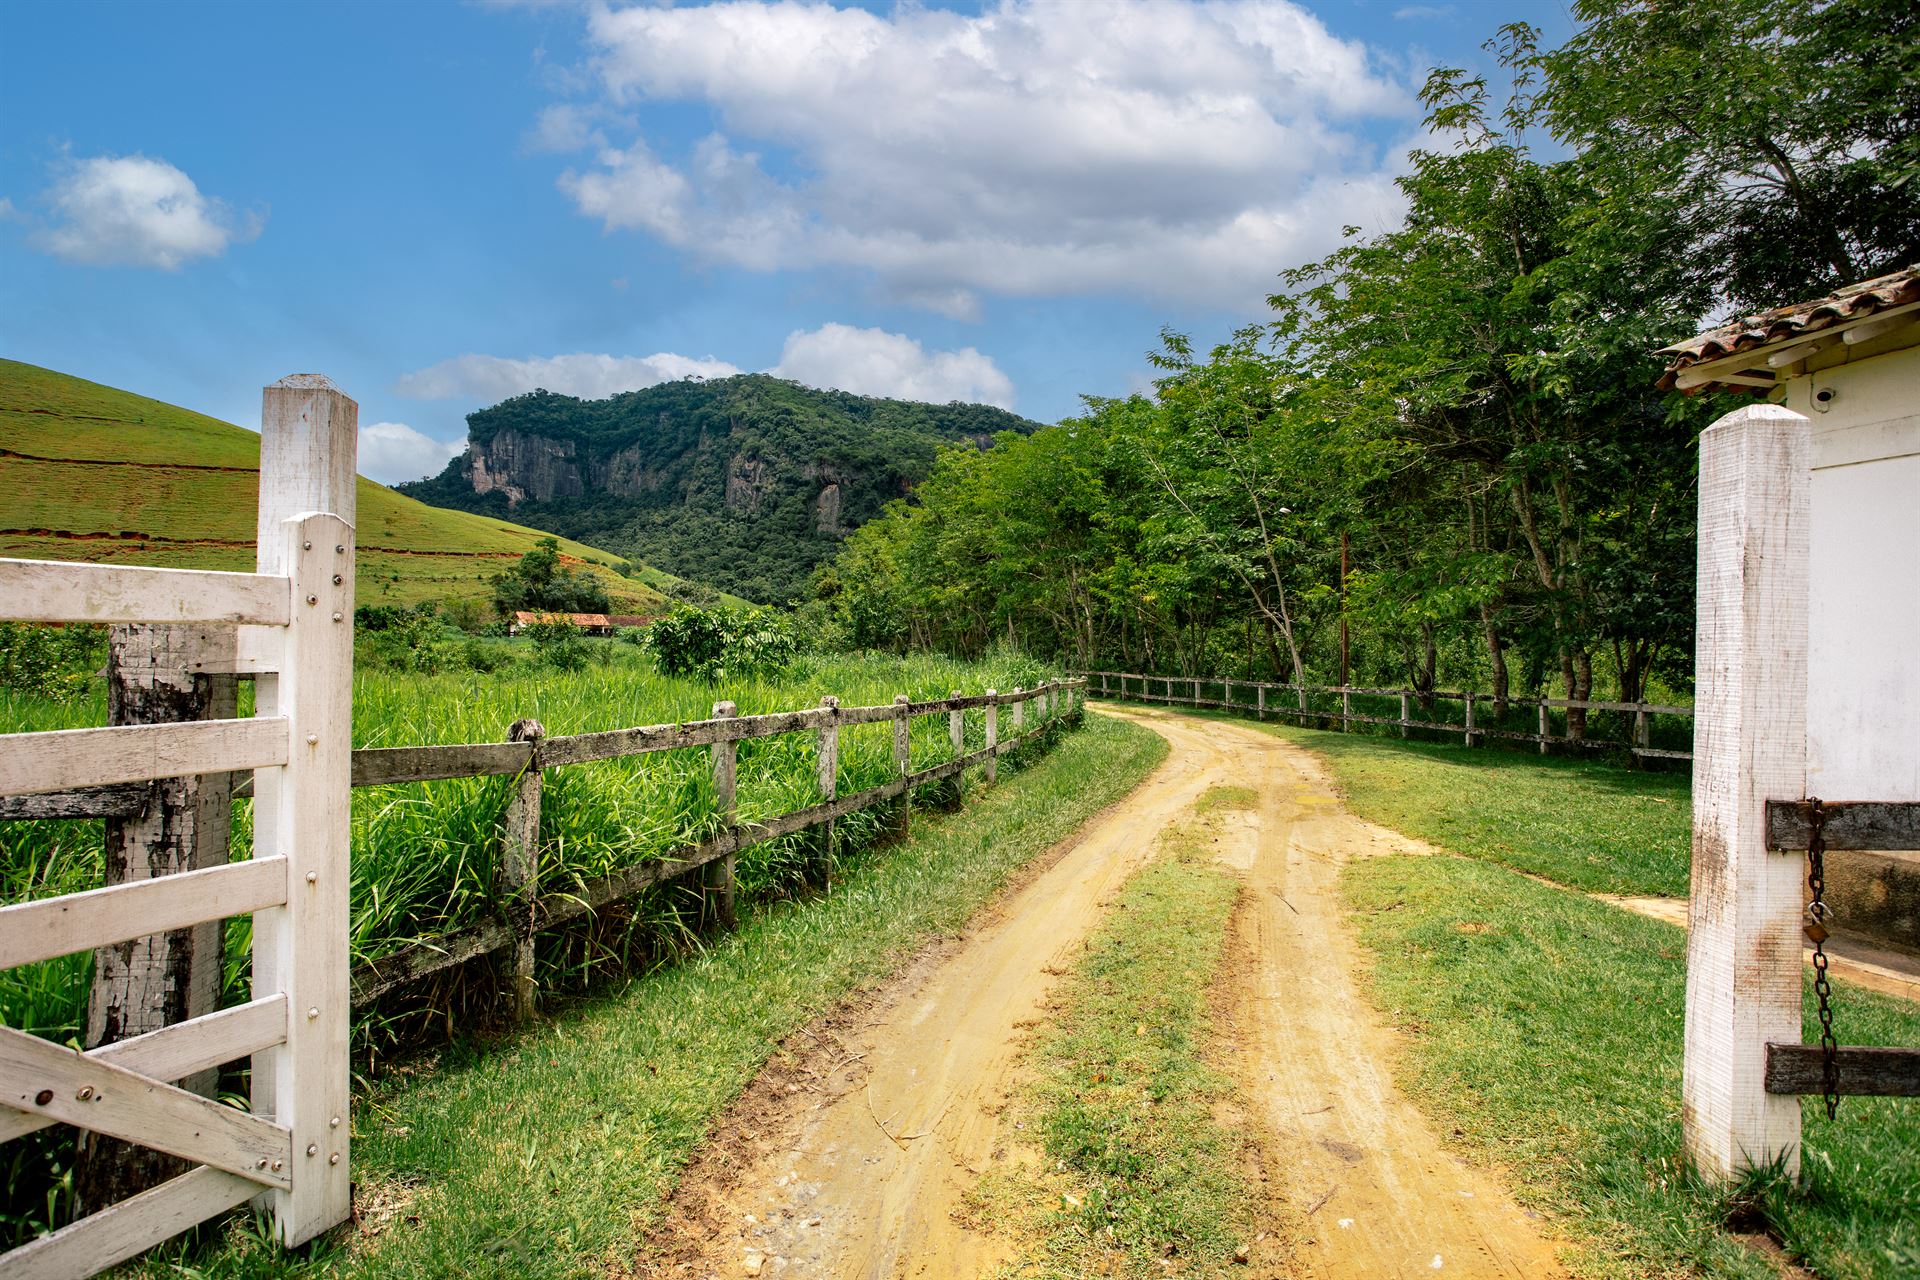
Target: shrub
x=405, y=639
x=714, y=644
x=57, y=662
x=557, y=643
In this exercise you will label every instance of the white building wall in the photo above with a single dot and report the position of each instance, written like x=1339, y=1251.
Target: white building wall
x=1863, y=670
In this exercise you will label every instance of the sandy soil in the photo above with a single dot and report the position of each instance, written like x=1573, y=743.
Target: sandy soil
x=850, y=1157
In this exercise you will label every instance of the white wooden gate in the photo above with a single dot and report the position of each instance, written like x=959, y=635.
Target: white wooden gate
x=294, y=618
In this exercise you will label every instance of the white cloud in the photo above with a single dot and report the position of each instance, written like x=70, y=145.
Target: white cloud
x=873, y=362
x=393, y=451
x=8, y=213
x=137, y=211
x=1185, y=151
x=487, y=379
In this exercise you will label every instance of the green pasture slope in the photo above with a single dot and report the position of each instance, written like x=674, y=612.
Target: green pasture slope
x=91, y=473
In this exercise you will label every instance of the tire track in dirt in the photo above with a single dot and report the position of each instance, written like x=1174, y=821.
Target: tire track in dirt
x=859, y=1168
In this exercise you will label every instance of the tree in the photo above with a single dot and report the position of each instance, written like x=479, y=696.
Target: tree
x=540, y=583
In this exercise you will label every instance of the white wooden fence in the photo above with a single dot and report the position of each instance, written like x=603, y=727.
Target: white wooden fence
x=294, y=621
x=1295, y=703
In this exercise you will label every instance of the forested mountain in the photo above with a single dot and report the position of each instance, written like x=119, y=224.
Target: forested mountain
x=1461, y=410
x=746, y=483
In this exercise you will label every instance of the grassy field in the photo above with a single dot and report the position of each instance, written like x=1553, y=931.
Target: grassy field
x=1581, y=823
x=91, y=473
x=550, y=1154
x=1140, y=1161
x=1544, y=1031
x=1544, y=1028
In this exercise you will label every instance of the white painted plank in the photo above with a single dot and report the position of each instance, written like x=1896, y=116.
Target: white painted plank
x=65, y=591
x=48, y=927
x=302, y=949
x=67, y=759
x=174, y=1052
x=42, y=1078
x=1743, y=946
x=133, y=1226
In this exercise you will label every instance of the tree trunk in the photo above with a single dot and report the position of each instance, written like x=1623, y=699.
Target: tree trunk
x=155, y=675
x=1497, y=660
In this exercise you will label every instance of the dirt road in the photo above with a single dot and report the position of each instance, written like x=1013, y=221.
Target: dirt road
x=858, y=1160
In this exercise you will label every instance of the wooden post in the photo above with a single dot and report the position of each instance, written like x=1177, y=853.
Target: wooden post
x=827, y=759
x=1019, y=711
x=1404, y=717
x=519, y=879
x=957, y=729
x=719, y=873
x=902, y=750
x=1642, y=728
x=1196, y=693
x=159, y=675
x=1346, y=710
x=993, y=738
x=301, y=810
x=1300, y=700
x=1545, y=726
x=1469, y=719
x=1260, y=700
x=1743, y=948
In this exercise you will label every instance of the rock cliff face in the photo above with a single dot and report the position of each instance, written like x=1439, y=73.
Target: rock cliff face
x=745, y=483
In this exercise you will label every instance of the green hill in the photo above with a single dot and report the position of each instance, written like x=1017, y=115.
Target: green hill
x=746, y=482
x=91, y=473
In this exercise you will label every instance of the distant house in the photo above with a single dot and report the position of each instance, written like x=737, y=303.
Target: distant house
x=632, y=619
x=594, y=624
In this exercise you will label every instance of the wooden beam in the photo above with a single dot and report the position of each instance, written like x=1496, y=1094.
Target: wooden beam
x=66, y=759
x=1863, y=1072
x=381, y=766
x=65, y=591
x=124, y=801
x=1849, y=824
x=133, y=1226
x=48, y=927
x=173, y=1053
x=44, y=1079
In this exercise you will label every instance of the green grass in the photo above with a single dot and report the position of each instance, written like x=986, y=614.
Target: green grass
x=1545, y=1033
x=1581, y=823
x=1139, y=1164
x=180, y=489
x=549, y=1155
x=425, y=855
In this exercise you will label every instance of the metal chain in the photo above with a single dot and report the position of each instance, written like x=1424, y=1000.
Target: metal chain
x=1816, y=931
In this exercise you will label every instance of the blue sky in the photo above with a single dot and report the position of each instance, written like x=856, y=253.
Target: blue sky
x=442, y=204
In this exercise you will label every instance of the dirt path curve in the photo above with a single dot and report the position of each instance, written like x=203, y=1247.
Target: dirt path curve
x=861, y=1171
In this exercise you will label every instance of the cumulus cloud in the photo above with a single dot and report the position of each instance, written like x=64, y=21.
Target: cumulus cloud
x=137, y=211
x=873, y=362
x=393, y=451
x=584, y=374
x=1186, y=151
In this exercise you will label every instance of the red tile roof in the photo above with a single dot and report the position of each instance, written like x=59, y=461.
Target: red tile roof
x=1766, y=328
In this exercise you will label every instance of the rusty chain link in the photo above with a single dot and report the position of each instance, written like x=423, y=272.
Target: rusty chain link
x=1816, y=931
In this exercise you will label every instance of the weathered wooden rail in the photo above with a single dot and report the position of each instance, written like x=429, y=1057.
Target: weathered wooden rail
x=526, y=912
x=1186, y=691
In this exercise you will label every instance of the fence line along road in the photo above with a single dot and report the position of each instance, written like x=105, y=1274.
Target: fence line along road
x=527, y=912
x=1114, y=684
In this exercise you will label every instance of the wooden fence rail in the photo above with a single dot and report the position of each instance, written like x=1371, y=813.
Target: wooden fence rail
x=527, y=759
x=1186, y=691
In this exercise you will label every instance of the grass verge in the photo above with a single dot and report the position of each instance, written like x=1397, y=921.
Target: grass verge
x=1137, y=1163
x=1545, y=1032
x=548, y=1155
x=1581, y=823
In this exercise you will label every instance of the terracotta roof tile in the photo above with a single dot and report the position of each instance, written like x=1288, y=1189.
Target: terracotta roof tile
x=1854, y=301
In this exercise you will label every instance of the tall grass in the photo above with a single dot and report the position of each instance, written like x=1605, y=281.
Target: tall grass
x=425, y=854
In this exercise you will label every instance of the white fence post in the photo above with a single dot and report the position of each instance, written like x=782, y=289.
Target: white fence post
x=902, y=755
x=308, y=435
x=957, y=728
x=827, y=760
x=1545, y=725
x=719, y=872
x=1019, y=711
x=993, y=738
x=1404, y=717
x=520, y=864
x=1469, y=719
x=1743, y=951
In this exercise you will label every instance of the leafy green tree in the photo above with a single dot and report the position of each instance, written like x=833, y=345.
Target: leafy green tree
x=540, y=583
